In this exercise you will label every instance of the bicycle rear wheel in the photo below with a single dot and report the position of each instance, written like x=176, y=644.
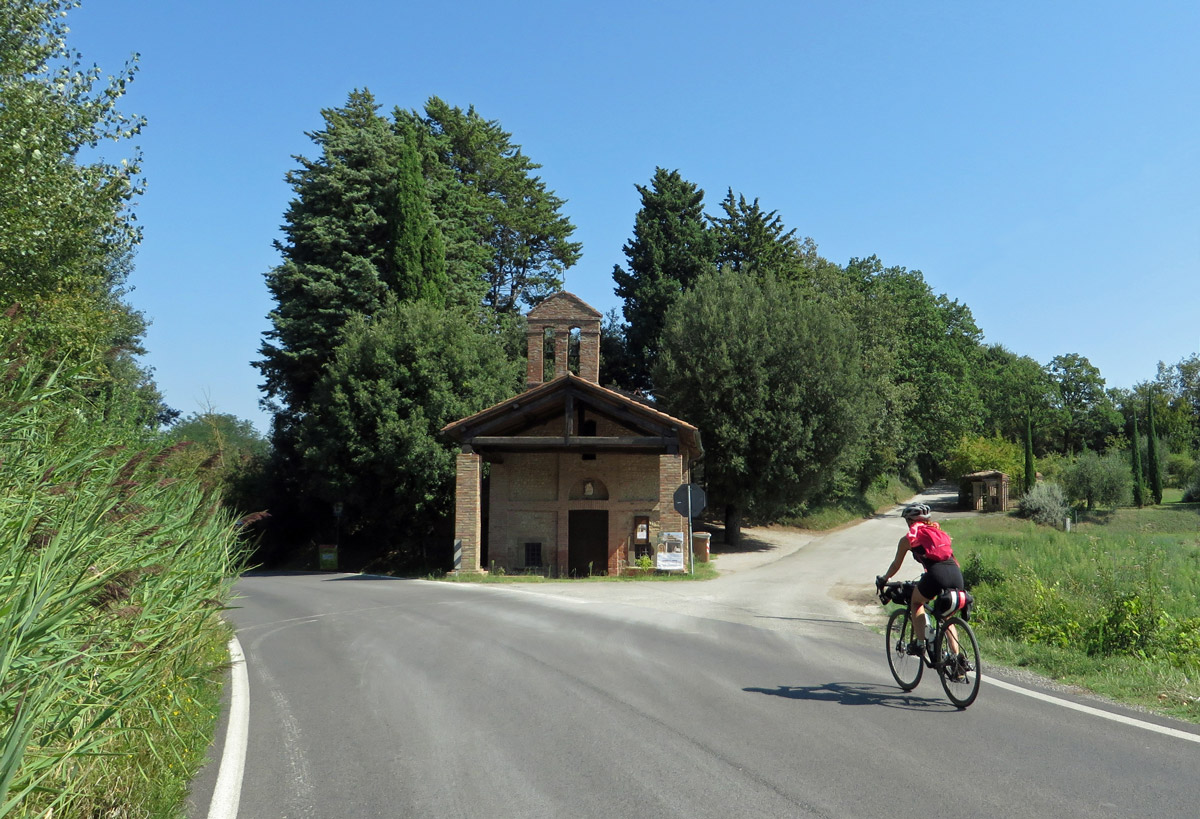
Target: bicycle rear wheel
x=959, y=671
x=906, y=668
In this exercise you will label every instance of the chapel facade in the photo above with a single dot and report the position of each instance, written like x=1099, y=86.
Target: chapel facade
x=581, y=478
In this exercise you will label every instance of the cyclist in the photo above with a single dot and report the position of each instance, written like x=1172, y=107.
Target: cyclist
x=930, y=546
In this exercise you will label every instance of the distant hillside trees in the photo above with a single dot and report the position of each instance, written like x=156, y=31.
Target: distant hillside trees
x=1084, y=412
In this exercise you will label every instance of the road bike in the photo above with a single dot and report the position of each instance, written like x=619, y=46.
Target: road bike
x=950, y=645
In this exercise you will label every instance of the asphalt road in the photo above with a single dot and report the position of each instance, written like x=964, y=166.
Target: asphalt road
x=760, y=694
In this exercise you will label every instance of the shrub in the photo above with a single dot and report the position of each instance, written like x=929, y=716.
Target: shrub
x=1192, y=493
x=1129, y=625
x=1026, y=608
x=1180, y=466
x=1098, y=480
x=976, y=572
x=1045, y=503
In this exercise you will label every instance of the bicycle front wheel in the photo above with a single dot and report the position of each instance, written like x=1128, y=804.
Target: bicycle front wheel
x=906, y=668
x=959, y=670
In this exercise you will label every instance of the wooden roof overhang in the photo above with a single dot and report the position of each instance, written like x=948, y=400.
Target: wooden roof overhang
x=505, y=427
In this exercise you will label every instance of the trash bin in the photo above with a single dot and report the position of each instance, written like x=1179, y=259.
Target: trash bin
x=327, y=557
x=700, y=542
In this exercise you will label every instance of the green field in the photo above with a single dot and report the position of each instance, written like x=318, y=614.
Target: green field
x=1112, y=606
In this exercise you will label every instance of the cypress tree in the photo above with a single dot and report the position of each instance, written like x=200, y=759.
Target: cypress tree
x=1139, y=482
x=1030, y=473
x=1152, y=465
x=671, y=247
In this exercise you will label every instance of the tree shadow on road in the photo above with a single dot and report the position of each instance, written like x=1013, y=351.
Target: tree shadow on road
x=748, y=544
x=852, y=693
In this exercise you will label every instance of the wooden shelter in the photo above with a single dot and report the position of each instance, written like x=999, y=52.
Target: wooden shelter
x=985, y=491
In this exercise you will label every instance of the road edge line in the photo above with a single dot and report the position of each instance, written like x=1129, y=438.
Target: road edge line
x=228, y=791
x=1096, y=712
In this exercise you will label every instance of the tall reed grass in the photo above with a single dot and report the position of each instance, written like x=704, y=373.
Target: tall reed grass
x=113, y=572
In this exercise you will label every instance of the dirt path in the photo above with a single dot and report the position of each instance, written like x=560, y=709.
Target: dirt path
x=781, y=578
x=838, y=566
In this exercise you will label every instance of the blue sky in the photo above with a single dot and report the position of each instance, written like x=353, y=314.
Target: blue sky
x=1038, y=162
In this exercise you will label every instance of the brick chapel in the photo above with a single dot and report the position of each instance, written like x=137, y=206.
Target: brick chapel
x=581, y=478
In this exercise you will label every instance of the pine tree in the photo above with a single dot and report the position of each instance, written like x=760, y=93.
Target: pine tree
x=670, y=248
x=1139, y=481
x=359, y=235
x=1152, y=464
x=504, y=227
x=751, y=240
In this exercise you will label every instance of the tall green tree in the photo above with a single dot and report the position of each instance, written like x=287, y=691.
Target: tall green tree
x=395, y=380
x=1176, y=390
x=67, y=229
x=358, y=235
x=1139, y=480
x=754, y=241
x=504, y=226
x=774, y=382
x=617, y=367
x=1153, y=467
x=1085, y=412
x=927, y=347
x=671, y=247
x=1013, y=391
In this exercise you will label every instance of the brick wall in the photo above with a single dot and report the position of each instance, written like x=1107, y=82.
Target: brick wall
x=522, y=510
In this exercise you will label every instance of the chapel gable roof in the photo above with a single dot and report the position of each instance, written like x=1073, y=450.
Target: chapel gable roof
x=563, y=305
x=519, y=423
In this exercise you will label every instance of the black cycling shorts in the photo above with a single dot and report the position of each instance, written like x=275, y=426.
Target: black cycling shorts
x=938, y=578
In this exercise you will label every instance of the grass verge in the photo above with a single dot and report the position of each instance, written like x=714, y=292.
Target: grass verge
x=1111, y=607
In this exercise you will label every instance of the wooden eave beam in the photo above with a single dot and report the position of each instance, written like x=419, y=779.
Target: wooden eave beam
x=586, y=443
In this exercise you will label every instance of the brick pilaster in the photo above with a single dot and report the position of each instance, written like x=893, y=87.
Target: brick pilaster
x=468, y=519
x=589, y=355
x=534, y=367
x=670, y=476
x=562, y=341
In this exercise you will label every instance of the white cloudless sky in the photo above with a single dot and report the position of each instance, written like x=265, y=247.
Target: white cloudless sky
x=1038, y=162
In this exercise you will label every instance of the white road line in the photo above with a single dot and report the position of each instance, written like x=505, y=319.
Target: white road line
x=228, y=791
x=1096, y=712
